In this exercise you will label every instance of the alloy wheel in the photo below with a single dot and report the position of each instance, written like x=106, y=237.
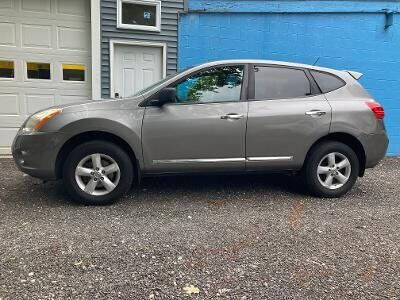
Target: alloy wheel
x=97, y=174
x=334, y=170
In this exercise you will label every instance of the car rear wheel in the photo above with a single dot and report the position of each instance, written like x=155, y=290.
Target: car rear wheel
x=331, y=170
x=97, y=173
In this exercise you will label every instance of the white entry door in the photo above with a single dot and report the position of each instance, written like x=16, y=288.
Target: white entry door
x=135, y=68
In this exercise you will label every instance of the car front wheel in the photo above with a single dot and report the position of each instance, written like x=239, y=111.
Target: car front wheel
x=97, y=173
x=331, y=170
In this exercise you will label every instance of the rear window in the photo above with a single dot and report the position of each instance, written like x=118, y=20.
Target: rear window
x=280, y=83
x=327, y=82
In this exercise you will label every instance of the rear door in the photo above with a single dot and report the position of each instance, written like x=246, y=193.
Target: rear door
x=287, y=114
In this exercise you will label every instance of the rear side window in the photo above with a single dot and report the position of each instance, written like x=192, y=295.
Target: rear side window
x=280, y=83
x=327, y=82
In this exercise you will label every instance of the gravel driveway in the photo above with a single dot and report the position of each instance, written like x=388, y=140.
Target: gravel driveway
x=215, y=237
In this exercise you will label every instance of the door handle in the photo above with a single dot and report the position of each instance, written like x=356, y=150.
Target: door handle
x=317, y=113
x=232, y=117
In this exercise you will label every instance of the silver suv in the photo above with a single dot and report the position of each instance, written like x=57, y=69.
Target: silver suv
x=226, y=116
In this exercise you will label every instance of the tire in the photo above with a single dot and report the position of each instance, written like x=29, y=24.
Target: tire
x=104, y=185
x=318, y=168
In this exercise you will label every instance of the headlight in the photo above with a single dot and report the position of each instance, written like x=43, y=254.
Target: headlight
x=36, y=121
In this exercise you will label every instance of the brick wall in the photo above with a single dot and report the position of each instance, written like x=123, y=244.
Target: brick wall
x=353, y=39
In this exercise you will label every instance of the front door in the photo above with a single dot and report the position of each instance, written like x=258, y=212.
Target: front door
x=204, y=130
x=286, y=116
x=135, y=68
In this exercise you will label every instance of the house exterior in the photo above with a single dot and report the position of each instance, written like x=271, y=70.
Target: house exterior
x=135, y=56
x=353, y=35
x=65, y=51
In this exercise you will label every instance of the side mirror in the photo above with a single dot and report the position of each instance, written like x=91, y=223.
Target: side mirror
x=167, y=95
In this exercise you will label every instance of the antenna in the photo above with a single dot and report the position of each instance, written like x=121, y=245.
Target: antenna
x=316, y=61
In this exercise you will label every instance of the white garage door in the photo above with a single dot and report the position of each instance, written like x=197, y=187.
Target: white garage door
x=44, y=58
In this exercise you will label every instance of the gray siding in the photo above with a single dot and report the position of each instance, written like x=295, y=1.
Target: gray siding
x=169, y=35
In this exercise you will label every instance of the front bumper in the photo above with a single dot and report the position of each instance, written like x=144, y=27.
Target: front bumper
x=36, y=154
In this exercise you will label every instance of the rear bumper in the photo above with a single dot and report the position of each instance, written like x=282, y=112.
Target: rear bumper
x=375, y=146
x=36, y=154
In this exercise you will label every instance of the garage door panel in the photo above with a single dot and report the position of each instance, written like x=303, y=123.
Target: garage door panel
x=38, y=102
x=38, y=36
x=8, y=34
x=36, y=5
x=9, y=105
x=6, y=137
x=73, y=7
x=42, y=19
x=25, y=85
x=6, y=4
x=72, y=39
x=41, y=9
x=12, y=121
x=31, y=53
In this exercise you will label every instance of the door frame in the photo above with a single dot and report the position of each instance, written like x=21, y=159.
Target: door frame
x=115, y=42
x=95, y=17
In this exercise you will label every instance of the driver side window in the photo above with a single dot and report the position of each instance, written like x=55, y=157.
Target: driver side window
x=218, y=84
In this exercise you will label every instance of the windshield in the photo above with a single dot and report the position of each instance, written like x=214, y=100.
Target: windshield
x=158, y=83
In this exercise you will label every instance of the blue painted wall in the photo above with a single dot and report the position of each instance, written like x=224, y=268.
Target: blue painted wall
x=340, y=34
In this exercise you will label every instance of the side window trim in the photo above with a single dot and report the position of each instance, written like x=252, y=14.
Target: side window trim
x=245, y=83
x=315, y=90
x=252, y=83
x=243, y=92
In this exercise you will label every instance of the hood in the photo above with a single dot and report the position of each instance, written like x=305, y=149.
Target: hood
x=109, y=104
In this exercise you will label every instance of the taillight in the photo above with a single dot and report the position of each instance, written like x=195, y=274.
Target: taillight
x=377, y=109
